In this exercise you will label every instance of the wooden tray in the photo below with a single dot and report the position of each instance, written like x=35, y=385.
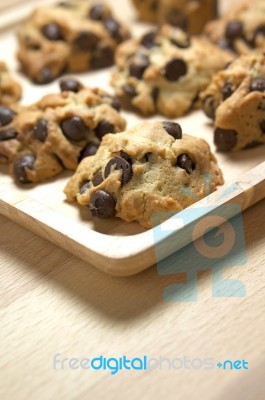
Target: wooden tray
x=113, y=246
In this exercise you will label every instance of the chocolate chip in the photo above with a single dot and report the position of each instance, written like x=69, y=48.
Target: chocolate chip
x=173, y=129
x=98, y=178
x=184, y=162
x=138, y=67
x=116, y=103
x=74, y=128
x=126, y=156
x=209, y=106
x=233, y=31
x=70, y=85
x=52, y=31
x=102, y=57
x=8, y=134
x=21, y=165
x=90, y=149
x=86, y=41
x=102, y=205
x=129, y=90
x=227, y=90
x=113, y=28
x=225, y=139
x=97, y=12
x=175, y=69
x=118, y=163
x=6, y=115
x=40, y=131
x=257, y=84
x=103, y=128
x=86, y=185
x=262, y=125
x=155, y=94
x=148, y=40
x=45, y=76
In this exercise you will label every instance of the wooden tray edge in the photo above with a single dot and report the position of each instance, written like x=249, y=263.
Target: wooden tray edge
x=126, y=260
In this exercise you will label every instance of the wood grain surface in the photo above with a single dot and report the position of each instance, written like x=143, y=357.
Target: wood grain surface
x=52, y=302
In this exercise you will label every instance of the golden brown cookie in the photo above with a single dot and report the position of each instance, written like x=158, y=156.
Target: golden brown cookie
x=242, y=29
x=235, y=100
x=69, y=36
x=57, y=132
x=164, y=71
x=149, y=168
x=188, y=15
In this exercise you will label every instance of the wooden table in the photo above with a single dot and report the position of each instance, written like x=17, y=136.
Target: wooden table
x=51, y=302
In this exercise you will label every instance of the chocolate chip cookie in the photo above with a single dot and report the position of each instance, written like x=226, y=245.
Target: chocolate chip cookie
x=10, y=90
x=164, y=71
x=57, y=132
x=242, y=29
x=149, y=168
x=68, y=36
x=188, y=15
x=235, y=100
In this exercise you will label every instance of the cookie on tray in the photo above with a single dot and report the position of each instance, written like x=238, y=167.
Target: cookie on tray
x=149, y=168
x=57, y=132
x=188, y=15
x=69, y=36
x=235, y=100
x=242, y=29
x=10, y=90
x=164, y=71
